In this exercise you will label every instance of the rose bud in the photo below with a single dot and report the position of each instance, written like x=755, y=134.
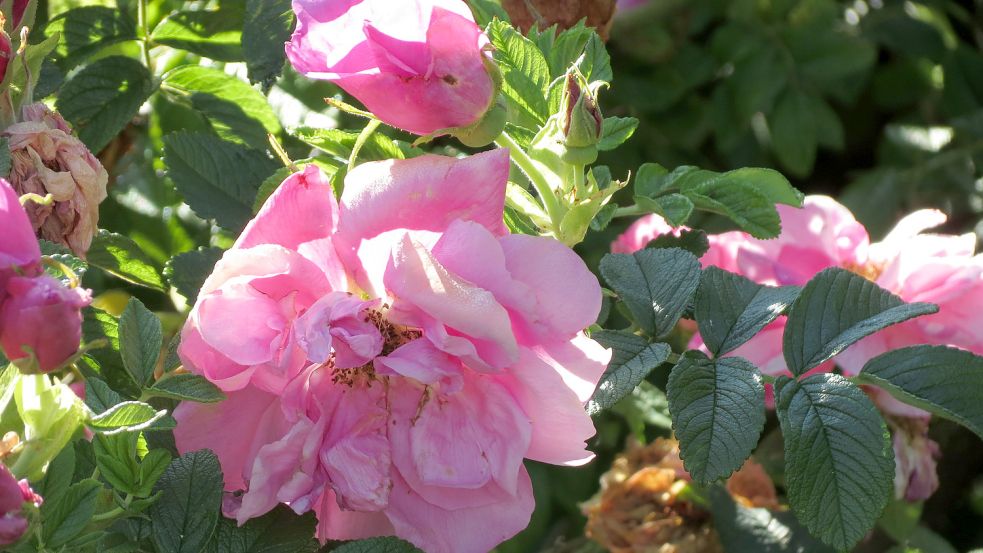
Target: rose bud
x=13, y=495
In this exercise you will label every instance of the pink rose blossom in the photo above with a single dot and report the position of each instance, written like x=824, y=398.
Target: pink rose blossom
x=390, y=361
x=919, y=267
x=36, y=311
x=46, y=158
x=416, y=64
x=13, y=496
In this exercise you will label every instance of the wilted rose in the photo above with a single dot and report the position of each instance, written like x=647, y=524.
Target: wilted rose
x=46, y=158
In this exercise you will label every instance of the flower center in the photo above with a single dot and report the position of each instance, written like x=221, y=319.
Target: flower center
x=870, y=271
x=393, y=336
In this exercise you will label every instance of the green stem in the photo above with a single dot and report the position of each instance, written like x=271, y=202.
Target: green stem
x=145, y=30
x=629, y=211
x=579, y=182
x=363, y=137
x=525, y=163
x=110, y=514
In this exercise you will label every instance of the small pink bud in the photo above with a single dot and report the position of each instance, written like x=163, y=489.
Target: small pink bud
x=13, y=495
x=43, y=316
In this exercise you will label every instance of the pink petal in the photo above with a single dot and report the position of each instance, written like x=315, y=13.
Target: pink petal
x=333, y=523
x=18, y=246
x=420, y=283
x=423, y=193
x=560, y=426
x=235, y=429
x=302, y=209
x=460, y=530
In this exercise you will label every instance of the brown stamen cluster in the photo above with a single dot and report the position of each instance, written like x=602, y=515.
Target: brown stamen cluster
x=393, y=336
x=870, y=271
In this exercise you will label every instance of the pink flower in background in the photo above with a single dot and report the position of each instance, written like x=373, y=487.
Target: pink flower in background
x=416, y=64
x=391, y=361
x=46, y=158
x=919, y=267
x=36, y=310
x=13, y=495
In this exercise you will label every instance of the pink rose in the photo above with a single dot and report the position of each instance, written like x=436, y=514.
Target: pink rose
x=935, y=268
x=416, y=64
x=13, y=495
x=46, y=158
x=36, y=311
x=391, y=361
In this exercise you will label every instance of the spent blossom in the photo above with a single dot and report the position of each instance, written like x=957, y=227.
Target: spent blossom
x=389, y=361
x=46, y=158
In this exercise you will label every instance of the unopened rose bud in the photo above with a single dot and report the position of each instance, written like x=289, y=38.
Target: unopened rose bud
x=6, y=50
x=581, y=121
x=46, y=158
x=41, y=322
x=13, y=496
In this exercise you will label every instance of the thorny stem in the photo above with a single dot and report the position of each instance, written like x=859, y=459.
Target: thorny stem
x=524, y=162
x=281, y=153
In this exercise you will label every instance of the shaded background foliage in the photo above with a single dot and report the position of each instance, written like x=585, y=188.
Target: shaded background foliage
x=877, y=102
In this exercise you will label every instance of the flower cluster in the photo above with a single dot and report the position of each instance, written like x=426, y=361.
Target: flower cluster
x=919, y=267
x=391, y=359
x=40, y=318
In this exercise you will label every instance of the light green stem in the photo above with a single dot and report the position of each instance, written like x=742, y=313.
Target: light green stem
x=525, y=163
x=363, y=137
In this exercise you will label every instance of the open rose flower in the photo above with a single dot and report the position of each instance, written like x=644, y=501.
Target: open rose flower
x=416, y=64
x=390, y=361
x=918, y=267
x=40, y=319
x=13, y=495
x=46, y=158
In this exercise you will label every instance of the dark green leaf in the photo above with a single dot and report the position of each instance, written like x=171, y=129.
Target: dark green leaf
x=152, y=466
x=835, y=309
x=63, y=255
x=86, y=30
x=215, y=34
x=377, y=545
x=140, y=340
x=187, y=512
x=218, y=179
x=58, y=476
x=674, y=208
x=746, y=530
x=655, y=284
x=730, y=309
x=794, y=136
x=103, y=97
x=187, y=387
x=693, y=241
x=280, y=531
x=652, y=179
x=267, y=27
x=63, y=520
x=718, y=411
x=945, y=381
x=741, y=203
x=4, y=157
x=633, y=359
x=129, y=416
x=237, y=111
x=839, y=468
x=100, y=326
x=99, y=396
x=187, y=271
x=123, y=258
x=119, y=473
x=615, y=131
